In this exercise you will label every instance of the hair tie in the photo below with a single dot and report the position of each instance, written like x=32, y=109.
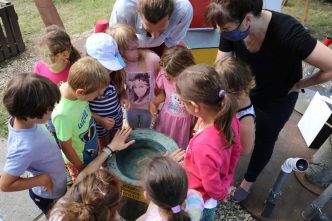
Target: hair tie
x=222, y=94
x=176, y=209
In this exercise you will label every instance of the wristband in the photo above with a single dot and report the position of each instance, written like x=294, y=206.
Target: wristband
x=108, y=151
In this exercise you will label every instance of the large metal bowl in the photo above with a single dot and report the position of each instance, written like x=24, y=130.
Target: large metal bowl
x=128, y=164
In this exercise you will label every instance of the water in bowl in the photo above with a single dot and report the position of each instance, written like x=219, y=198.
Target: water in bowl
x=133, y=161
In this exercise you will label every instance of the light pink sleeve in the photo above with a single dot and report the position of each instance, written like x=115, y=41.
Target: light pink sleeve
x=160, y=79
x=36, y=68
x=154, y=60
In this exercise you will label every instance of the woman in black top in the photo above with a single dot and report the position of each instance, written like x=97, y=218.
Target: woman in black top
x=274, y=45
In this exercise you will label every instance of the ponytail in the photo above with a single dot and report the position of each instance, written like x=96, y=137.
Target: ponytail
x=179, y=216
x=118, y=80
x=74, y=55
x=57, y=40
x=166, y=184
x=77, y=211
x=225, y=116
x=202, y=84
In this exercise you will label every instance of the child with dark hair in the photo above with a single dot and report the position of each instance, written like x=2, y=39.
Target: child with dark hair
x=173, y=120
x=212, y=153
x=57, y=54
x=165, y=183
x=30, y=99
x=239, y=80
x=140, y=87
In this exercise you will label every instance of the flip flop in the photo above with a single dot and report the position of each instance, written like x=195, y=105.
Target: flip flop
x=240, y=195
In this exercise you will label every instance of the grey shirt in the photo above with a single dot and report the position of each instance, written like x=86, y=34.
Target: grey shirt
x=125, y=11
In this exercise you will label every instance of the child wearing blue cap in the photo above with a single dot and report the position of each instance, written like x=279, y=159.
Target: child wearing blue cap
x=106, y=108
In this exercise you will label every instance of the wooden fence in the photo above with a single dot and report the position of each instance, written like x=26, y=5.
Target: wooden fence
x=11, y=42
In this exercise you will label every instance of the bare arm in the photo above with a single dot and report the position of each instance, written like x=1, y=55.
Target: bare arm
x=9, y=183
x=222, y=55
x=153, y=107
x=320, y=57
x=161, y=96
x=117, y=144
x=106, y=122
x=247, y=134
x=71, y=154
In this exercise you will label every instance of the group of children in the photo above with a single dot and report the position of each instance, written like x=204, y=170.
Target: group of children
x=82, y=100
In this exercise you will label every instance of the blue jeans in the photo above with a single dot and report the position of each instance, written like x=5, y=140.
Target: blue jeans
x=138, y=118
x=208, y=214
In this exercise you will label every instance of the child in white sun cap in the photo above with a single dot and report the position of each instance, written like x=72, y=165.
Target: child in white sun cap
x=106, y=108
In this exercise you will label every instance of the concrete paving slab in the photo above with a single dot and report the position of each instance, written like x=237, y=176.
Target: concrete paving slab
x=15, y=205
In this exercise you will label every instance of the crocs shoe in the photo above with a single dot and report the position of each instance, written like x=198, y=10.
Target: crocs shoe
x=240, y=195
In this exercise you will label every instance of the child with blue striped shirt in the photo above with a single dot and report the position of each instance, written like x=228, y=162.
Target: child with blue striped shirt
x=106, y=108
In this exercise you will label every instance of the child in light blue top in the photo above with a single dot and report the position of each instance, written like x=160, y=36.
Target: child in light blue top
x=30, y=99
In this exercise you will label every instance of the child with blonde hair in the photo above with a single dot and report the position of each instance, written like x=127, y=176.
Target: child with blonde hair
x=75, y=128
x=106, y=108
x=96, y=194
x=212, y=153
x=141, y=72
x=165, y=183
x=173, y=120
x=239, y=80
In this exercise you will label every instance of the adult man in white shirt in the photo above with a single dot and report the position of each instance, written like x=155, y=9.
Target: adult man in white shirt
x=156, y=22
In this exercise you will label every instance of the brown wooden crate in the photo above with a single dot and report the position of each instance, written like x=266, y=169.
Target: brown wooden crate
x=15, y=28
x=11, y=42
x=9, y=34
x=3, y=40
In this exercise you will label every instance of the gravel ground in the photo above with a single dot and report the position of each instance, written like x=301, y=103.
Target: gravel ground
x=14, y=66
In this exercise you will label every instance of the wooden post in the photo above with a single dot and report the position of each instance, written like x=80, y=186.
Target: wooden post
x=48, y=13
x=305, y=12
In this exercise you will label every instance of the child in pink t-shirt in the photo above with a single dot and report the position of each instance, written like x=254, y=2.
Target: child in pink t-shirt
x=142, y=67
x=57, y=55
x=173, y=120
x=213, y=152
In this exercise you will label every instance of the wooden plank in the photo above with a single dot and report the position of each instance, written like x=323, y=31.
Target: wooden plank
x=48, y=13
x=15, y=28
x=9, y=34
x=3, y=39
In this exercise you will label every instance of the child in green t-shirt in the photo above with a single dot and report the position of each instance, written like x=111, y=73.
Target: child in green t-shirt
x=74, y=126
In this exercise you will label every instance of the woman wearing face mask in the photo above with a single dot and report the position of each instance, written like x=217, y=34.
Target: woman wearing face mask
x=274, y=45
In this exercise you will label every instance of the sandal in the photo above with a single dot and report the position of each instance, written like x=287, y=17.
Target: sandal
x=240, y=195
